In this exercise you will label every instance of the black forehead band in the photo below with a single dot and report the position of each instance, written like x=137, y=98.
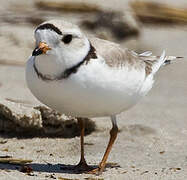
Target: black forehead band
x=50, y=27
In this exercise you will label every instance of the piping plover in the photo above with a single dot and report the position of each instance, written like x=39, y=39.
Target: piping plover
x=85, y=77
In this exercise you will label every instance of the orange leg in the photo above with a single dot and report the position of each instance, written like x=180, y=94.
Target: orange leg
x=82, y=165
x=113, y=135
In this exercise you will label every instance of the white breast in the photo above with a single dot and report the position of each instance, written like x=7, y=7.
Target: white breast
x=95, y=90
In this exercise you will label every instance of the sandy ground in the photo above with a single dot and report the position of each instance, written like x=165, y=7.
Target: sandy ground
x=152, y=143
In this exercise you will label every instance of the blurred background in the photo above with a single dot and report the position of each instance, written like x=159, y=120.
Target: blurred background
x=152, y=25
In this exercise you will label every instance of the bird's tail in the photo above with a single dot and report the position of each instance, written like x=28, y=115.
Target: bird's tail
x=171, y=59
x=157, y=61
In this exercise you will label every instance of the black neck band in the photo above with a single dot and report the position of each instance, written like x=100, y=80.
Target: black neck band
x=91, y=55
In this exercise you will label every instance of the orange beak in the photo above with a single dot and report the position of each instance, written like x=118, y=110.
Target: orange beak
x=41, y=49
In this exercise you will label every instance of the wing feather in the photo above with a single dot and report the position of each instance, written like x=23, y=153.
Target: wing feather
x=115, y=56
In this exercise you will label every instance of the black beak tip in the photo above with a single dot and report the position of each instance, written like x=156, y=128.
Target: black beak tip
x=37, y=52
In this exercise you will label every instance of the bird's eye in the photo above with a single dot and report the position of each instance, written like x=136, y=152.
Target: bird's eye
x=67, y=38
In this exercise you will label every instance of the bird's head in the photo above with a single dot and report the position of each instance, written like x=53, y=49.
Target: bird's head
x=59, y=45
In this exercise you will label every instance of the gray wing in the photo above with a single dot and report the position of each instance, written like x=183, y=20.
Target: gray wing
x=115, y=56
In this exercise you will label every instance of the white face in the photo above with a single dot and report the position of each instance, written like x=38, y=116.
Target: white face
x=58, y=52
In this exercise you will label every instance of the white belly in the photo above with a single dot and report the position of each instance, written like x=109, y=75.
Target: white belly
x=95, y=90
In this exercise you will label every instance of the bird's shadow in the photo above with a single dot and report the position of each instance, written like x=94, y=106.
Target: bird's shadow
x=50, y=168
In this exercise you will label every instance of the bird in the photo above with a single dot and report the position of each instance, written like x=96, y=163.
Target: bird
x=88, y=77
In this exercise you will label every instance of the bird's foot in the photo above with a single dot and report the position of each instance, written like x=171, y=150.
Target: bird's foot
x=82, y=167
x=96, y=171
